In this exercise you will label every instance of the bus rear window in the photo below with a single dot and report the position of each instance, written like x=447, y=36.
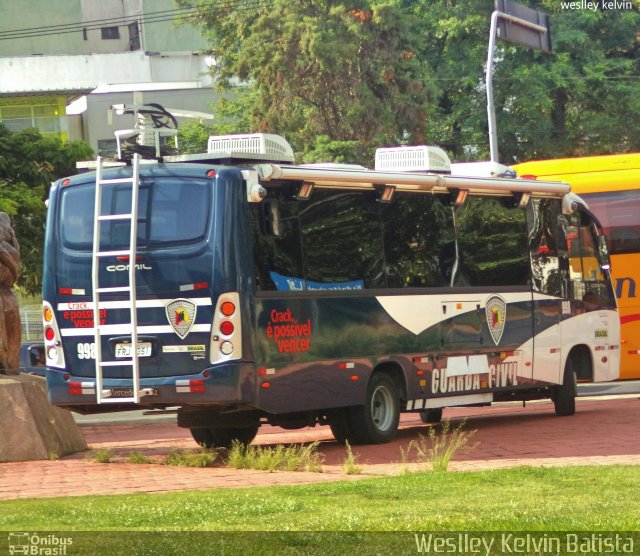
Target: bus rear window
x=171, y=211
x=618, y=213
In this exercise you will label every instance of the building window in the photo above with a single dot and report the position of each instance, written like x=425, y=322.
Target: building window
x=84, y=33
x=134, y=36
x=110, y=33
x=16, y=114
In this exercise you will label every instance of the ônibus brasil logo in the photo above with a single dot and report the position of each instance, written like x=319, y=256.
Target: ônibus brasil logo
x=39, y=544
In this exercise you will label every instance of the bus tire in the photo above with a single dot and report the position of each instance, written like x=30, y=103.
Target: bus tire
x=338, y=420
x=564, y=395
x=376, y=422
x=431, y=415
x=224, y=438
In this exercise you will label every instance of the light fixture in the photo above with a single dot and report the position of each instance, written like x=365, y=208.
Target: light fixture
x=458, y=196
x=386, y=193
x=305, y=191
x=521, y=199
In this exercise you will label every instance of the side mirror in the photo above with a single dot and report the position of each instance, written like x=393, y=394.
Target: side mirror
x=603, y=253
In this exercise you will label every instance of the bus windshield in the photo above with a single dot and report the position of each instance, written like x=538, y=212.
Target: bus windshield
x=618, y=213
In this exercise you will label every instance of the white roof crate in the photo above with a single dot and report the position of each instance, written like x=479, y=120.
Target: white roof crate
x=419, y=158
x=269, y=145
x=486, y=169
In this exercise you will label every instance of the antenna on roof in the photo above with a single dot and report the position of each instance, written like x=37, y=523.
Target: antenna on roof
x=155, y=132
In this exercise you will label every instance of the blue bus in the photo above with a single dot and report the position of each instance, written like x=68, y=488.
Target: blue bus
x=243, y=289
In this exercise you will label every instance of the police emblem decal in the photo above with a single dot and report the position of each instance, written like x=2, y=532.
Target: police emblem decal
x=496, y=312
x=181, y=314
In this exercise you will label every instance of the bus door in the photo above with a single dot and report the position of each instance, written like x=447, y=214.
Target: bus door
x=548, y=252
x=592, y=298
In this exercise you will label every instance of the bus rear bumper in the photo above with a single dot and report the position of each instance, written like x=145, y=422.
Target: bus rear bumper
x=225, y=384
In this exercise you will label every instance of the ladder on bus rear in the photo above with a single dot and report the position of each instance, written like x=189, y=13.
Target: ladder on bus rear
x=130, y=328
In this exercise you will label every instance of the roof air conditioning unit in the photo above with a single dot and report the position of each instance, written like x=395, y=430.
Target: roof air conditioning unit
x=419, y=158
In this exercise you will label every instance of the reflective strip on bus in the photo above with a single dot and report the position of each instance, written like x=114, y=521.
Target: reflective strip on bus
x=126, y=329
x=82, y=388
x=191, y=385
x=141, y=303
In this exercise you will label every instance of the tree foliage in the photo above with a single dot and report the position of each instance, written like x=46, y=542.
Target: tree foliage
x=29, y=162
x=334, y=75
x=342, y=69
x=578, y=100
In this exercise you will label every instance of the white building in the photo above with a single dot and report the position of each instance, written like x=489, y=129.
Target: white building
x=61, y=71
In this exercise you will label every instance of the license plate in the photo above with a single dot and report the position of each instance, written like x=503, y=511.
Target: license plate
x=128, y=392
x=124, y=350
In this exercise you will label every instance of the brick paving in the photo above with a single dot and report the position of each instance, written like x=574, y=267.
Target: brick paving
x=604, y=431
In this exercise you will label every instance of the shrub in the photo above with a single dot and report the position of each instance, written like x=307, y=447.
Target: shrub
x=438, y=449
x=296, y=457
x=190, y=458
x=350, y=464
x=137, y=457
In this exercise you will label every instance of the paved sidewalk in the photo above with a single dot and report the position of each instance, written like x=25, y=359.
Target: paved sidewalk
x=603, y=431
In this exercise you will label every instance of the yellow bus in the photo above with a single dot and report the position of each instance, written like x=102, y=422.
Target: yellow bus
x=611, y=187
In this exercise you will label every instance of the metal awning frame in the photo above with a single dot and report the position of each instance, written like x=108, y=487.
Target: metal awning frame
x=273, y=174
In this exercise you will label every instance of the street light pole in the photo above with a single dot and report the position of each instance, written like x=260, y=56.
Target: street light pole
x=491, y=111
x=522, y=26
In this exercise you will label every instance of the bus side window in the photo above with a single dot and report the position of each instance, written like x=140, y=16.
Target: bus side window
x=588, y=282
x=546, y=245
x=277, y=256
x=492, y=242
x=417, y=230
x=342, y=241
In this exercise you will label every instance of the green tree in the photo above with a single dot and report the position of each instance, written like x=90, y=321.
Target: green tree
x=346, y=70
x=578, y=100
x=29, y=162
x=339, y=78
x=232, y=116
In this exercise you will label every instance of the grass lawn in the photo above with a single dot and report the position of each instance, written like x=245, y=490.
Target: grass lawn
x=394, y=515
x=567, y=498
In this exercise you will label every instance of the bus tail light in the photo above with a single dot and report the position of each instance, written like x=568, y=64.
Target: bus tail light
x=226, y=329
x=227, y=308
x=52, y=338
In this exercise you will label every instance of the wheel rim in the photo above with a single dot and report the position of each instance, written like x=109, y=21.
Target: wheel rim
x=382, y=408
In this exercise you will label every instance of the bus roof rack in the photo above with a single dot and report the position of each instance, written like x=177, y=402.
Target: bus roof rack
x=408, y=181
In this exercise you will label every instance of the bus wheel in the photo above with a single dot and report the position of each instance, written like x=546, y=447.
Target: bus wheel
x=431, y=415
x=564, y=395
x=339, y=424
x=376, y=422
x=224, y=438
